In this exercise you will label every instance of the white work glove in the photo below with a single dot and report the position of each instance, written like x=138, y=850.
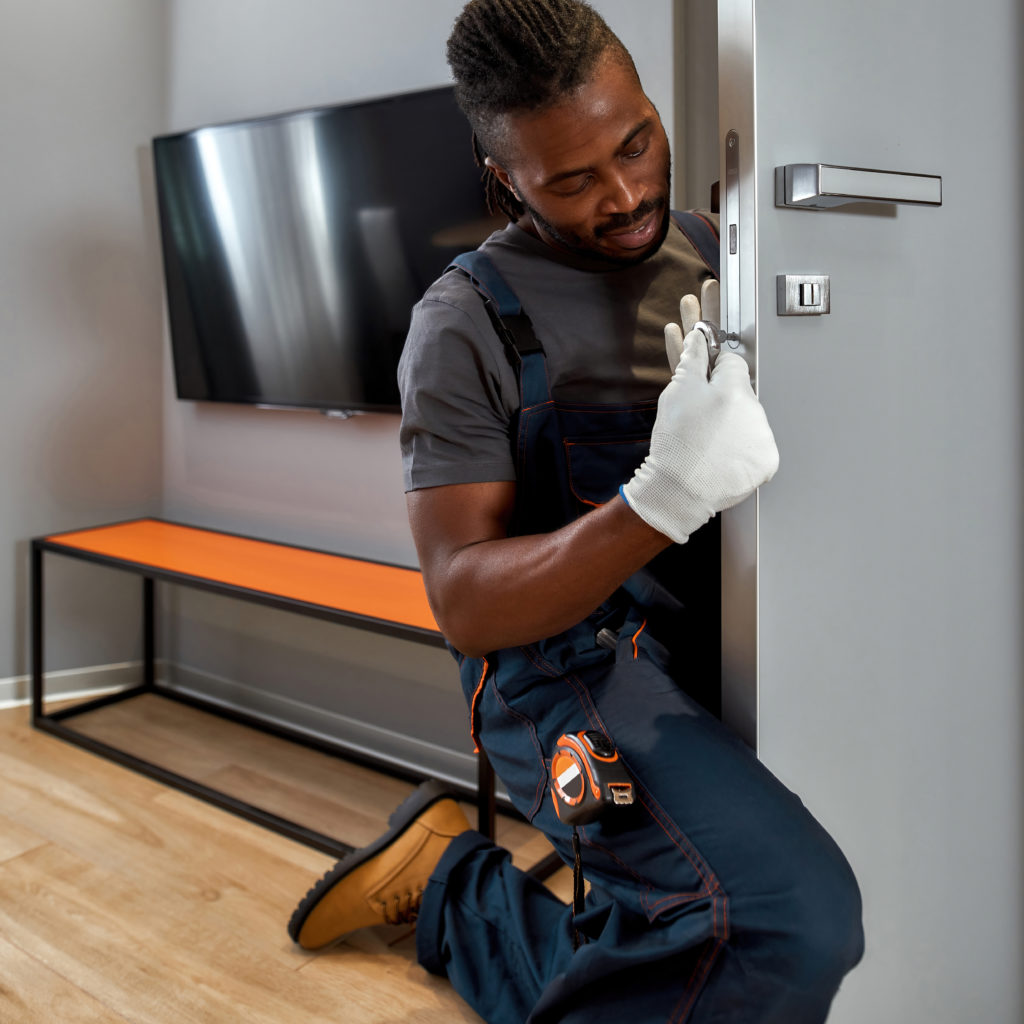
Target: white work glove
x=690, y=311
x=711, y=446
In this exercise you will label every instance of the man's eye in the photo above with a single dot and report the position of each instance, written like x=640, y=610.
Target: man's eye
x=574, y=188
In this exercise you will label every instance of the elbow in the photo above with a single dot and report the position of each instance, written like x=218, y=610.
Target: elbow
x=462, y=623
x=470, y=650
x=466, y=611
x=462, y=633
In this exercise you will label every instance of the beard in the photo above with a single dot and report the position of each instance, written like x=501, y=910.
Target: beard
x=578, y=245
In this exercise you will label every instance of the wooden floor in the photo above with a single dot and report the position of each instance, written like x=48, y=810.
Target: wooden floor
x=124, y=900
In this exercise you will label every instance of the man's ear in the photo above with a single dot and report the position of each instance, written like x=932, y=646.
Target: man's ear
x=501, y=174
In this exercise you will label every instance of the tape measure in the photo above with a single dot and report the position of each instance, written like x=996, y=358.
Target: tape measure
x=587, y=777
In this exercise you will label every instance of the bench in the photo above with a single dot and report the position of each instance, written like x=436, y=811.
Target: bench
x=370, y=595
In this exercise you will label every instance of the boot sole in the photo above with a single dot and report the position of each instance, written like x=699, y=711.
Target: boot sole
x=401, y=818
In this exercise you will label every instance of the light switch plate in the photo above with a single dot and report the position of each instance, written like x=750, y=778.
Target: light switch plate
x=802, y=294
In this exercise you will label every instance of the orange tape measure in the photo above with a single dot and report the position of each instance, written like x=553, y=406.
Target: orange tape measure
x=587, y=777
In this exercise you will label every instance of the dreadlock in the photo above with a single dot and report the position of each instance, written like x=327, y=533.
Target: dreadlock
x=509, y=56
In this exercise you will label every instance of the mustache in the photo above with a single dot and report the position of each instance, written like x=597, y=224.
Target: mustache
x=621, y=221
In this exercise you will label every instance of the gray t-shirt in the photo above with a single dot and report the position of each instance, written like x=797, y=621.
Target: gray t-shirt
x=603, y=338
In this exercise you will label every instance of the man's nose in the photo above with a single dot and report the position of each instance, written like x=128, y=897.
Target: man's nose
x=623, y=193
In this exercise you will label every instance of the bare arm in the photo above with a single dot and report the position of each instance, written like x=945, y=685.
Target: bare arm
x=489, y=590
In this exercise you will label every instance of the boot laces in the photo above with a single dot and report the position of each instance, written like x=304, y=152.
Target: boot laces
x=402, y=908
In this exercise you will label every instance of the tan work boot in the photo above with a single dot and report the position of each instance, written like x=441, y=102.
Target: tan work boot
x=382, y=883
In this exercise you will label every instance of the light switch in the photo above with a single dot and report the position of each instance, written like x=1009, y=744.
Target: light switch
x=810, y=294
x=802, y=294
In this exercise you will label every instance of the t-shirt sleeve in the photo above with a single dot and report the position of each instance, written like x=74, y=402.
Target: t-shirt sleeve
x=458, y=397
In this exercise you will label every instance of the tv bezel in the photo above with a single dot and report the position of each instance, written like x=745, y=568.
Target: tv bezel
x=342, y=409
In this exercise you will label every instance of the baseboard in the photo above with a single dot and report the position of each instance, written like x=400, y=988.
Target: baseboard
x=403, y=751
x=72, y=683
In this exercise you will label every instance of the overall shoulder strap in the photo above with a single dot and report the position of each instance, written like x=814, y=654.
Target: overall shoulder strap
x=502, y=304
x=702, y=235
x=513, y=326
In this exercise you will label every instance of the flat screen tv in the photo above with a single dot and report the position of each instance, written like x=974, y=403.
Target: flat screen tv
x=295, y=245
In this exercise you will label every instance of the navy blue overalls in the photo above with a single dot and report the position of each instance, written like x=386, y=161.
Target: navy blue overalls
x=716, y=896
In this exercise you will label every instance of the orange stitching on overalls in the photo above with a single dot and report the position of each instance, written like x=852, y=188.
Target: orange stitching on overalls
x=675, y=899
x=610, y=409
x=540, y=663
x=658, y=815
x=706, y=876
x=591, y=713
x=473, y=730
x=606, y=444
x=636, y=650
x=533, y=408
x=547, y=390
x=696, y=982
x=523, y=430
x=711, y=226
x=567, y=447
x=615, y=857
x=696, y=861
x=533, y=655
x=542, y=782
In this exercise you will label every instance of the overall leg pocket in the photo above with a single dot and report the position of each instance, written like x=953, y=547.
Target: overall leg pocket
x=509, y=736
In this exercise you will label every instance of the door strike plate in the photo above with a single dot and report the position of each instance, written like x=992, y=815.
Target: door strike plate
x=802, y=294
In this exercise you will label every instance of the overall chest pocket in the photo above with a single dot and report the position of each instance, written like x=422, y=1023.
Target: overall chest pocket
x=597, y=466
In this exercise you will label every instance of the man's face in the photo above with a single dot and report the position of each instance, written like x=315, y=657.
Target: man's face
x=593, y=171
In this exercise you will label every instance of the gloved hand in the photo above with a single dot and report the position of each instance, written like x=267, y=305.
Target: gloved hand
x=690, y=311
x=711, y=446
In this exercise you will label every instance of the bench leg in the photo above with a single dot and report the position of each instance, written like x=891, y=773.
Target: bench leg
x=37, y=632
x=485, y=803
x=148, y=632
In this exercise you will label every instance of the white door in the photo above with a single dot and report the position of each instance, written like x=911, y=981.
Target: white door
x=873, y=609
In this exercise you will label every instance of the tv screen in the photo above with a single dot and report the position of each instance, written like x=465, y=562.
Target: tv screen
x=294, y=246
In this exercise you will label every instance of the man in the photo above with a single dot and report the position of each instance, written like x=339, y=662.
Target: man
x=554, y=527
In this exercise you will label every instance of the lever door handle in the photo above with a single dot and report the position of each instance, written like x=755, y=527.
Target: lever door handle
x=823, y=186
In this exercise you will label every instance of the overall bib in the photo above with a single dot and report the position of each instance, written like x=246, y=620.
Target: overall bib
x=715, y=896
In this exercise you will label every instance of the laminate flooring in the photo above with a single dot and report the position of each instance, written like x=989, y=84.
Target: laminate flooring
x=123, y=900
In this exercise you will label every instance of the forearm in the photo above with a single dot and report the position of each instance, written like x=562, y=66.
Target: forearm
x=507, y=591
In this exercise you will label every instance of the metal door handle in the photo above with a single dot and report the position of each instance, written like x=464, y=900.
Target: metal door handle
x=823, y=186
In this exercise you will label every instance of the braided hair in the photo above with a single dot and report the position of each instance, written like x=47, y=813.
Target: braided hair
x=509, y=56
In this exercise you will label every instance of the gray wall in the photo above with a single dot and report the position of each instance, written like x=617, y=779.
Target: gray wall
x=81, y=90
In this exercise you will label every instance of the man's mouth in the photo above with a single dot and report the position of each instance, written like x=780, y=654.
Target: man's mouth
x=635, y=236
